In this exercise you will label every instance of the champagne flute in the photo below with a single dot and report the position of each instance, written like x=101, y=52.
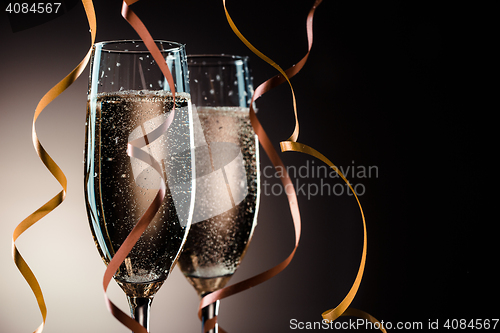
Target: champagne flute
x=137, y=145
x=227, y=174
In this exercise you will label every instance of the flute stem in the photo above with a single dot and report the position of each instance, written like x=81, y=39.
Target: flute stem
x=140, y=308
x=208, y=312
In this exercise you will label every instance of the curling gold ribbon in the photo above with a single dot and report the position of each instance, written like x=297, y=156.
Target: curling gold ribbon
x=291, y=145
x=54, y=169
x=133, y=150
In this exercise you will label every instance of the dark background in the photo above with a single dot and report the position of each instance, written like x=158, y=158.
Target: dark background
x=396, y=85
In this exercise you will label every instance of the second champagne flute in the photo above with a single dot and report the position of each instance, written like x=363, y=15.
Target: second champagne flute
x=227, y=174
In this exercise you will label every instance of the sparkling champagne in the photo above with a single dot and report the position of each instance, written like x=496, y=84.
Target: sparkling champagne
x=227, y=197
x=119, y=188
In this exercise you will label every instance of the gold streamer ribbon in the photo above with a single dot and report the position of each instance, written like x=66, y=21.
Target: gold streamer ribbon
x=54, y=169
x=134, y=150
x=290, y=144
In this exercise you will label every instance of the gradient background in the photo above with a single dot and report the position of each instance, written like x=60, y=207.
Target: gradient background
x=387, y=84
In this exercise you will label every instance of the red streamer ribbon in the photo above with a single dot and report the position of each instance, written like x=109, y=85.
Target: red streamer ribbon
x=134, y=150
x=275, y=160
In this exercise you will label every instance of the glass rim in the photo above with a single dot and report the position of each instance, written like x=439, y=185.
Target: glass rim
x=173, y=46
x=211, y=56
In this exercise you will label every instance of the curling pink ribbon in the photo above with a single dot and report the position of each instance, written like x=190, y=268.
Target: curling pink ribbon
x=289, y=145
x=134, y=150
x=54, y=169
